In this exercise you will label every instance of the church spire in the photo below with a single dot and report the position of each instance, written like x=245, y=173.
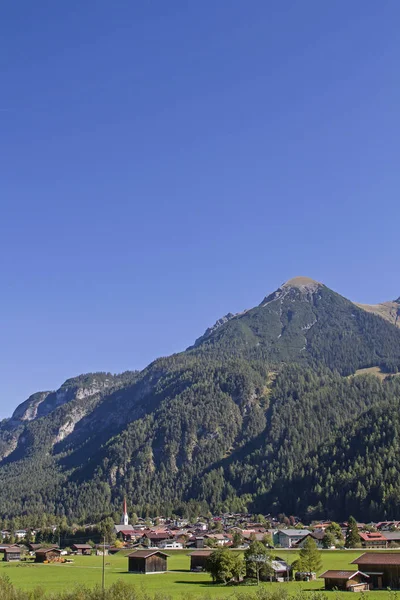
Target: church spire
x=124, y=518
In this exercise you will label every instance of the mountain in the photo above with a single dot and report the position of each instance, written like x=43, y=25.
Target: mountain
x=228, y=424
x=387, y=310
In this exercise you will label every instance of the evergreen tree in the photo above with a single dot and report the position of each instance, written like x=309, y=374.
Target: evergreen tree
x=328, y=540
x=310, y=557
x=353, y=539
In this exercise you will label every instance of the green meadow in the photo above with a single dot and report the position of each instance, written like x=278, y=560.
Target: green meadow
x=179, y=582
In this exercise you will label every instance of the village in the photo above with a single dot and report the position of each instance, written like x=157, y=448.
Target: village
x=148, y=544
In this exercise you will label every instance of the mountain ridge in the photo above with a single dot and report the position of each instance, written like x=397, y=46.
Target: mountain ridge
x=216, y=426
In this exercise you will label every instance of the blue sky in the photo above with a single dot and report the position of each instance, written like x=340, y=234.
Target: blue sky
x=163, y=163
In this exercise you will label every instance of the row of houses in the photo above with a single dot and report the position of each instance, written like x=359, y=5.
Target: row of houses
x=374, y=570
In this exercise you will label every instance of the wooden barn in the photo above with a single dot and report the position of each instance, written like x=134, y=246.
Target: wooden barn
x=83, y=549
x=12, y=553
x=198, y=559
x=147, y=561
x=383, y=569
x=47, y=554
x=347, y=581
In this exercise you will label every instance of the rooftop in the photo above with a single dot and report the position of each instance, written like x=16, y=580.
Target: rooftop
x=341, y=574
x=377, y=558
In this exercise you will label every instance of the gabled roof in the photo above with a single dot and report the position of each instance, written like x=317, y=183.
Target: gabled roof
x=82, y=546
x=46, y=550
x=377, y=558
x=280, y=565
x=372, y=536
x=12, y=549
x=294, y=532
x=146, y=553
x=342, y=574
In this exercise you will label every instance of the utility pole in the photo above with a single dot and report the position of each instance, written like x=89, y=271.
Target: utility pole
x=103, y=578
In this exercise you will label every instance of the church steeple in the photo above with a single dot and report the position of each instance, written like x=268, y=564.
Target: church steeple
x=125, y=518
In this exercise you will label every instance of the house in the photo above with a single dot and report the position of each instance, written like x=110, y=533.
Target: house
x=147, y=561
x=282, y=571
x=155, y=538
x=83, y=549
x=20, y=533
x=373, y=540
x=287, y=538
x=220, y=539
x=198, y=559
x=393, y=538
x=102, y=549
x=387, y=525
x=33, y=547
x=383, y=569
x=12, y=553
x=47, y=554
x=170, y=545
x=350, y=581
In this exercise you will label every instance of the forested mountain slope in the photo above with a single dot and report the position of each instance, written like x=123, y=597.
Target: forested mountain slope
x=227, y=424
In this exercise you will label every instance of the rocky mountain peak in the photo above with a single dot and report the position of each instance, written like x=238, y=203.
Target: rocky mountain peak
x=301, y=283
x=305, y=286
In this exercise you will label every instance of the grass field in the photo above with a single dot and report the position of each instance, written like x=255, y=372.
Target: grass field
x=179, y=582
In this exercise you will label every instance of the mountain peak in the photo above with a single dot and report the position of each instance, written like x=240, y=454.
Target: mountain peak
x=301, y=282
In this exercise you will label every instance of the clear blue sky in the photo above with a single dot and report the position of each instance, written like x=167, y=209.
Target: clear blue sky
x=165, y=162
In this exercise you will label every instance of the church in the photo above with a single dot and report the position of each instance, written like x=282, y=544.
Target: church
x=124, y=526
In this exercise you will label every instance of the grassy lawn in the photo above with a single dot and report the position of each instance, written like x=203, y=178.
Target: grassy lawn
x=179, y=582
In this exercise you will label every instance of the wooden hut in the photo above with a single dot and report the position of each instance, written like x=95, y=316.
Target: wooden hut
x=383, y=569
x=351, y=581
x=198, y=559
x=47, y=554
x=83, y=549
x=147, y=561
x=12, y=553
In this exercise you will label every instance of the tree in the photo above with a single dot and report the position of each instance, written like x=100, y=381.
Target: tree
x=237, y=539
x=353, y=539
x=310, y=557
x=328, y=540
x=106, y=528
x=258, y=560
x=336, y=530
x=267, y=540
x=224, y=565
x=238, y=566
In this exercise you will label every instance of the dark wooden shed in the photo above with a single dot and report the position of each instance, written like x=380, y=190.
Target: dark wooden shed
x=84, y=549
x=354, y=581
x=147, y=561
x=383, y=569
x=12, y=553
x=48, y=554
x=198, y=559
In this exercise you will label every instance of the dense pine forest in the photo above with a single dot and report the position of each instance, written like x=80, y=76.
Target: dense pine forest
x=266, y=413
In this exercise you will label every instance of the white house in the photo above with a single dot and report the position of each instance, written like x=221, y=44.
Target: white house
x=289, y=537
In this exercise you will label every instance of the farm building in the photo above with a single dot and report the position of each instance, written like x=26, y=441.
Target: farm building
x=84, y=549
x=147, y=561
x=47, y=554
x=198, y=559
x=282, y=570
x=12, y=553
x=351, y=581
x=383, y=569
